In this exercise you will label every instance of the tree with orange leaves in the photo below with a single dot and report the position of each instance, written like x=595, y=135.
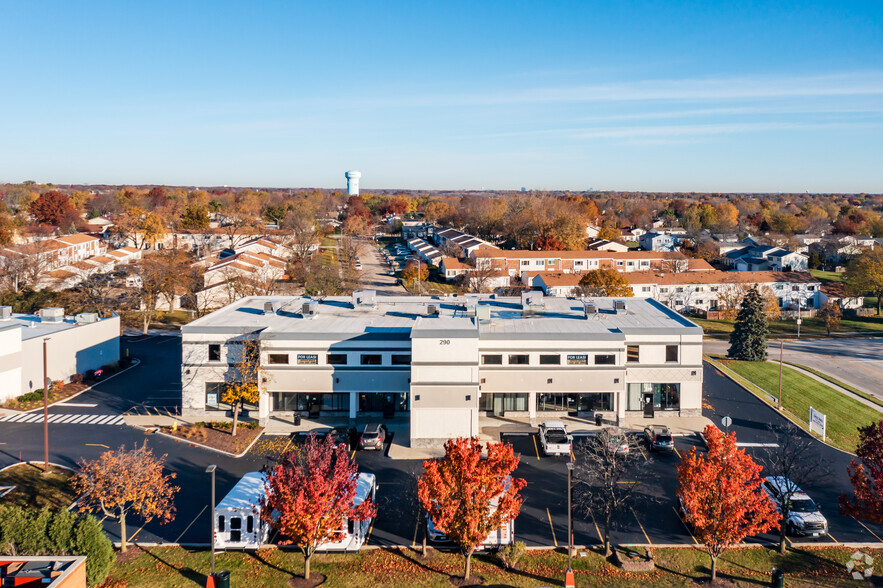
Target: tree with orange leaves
x=866, y=477
x=468, y=497
x=122, y=482
x=721, y=496
x=312, y=491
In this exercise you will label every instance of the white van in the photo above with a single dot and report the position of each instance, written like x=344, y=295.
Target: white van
x=353, y=534
x=238, y=523
x=497, y=539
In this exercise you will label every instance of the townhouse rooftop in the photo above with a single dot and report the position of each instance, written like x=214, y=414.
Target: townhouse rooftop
x=404, y=317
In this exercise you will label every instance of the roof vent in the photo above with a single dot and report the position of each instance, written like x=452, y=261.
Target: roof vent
x=86, y=318
x=5, y=313
x=364, y=298
x=310, y=309
x=51, y=315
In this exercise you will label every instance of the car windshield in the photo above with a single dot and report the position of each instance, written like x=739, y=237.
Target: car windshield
x=803, y=506
x=556, y=436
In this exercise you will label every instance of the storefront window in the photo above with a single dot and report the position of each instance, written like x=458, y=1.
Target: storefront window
x=311, y=402
x=575, y=402
x=381, y=401
x=665, y=396
x=503, y=402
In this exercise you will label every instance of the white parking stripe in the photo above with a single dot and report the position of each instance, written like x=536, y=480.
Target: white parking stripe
x=92, y=419
x=33, y=418
x=104, y=420
x=66, y=419
x=55, y=417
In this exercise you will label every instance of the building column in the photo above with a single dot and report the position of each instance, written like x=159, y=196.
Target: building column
x=532, y=405
x=354, y=404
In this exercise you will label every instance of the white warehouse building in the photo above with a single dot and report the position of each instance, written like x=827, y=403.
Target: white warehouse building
x=442, y=362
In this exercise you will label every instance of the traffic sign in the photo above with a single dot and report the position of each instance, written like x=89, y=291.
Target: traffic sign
x=726, y=421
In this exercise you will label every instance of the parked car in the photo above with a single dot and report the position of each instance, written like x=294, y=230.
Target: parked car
x=618, y=443
x=659, y=438
x=804, y=517
x=341, y=435
x=373, y=436
x=554, y=439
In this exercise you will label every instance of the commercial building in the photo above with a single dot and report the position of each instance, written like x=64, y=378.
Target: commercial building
x=74, y=344
x=444, y=361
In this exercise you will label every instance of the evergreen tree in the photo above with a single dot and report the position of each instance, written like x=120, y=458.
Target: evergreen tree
x=748, y=339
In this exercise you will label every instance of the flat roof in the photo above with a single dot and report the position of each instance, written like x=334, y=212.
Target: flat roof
x=32, y=327
x=406, y=317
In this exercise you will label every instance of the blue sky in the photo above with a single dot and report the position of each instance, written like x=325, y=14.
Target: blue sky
x=666, y=95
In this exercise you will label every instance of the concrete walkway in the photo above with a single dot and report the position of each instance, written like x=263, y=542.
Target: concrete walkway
x=830, y=384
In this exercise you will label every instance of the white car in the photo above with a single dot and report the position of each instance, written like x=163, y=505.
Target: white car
x=804, y=517
x=554, y=439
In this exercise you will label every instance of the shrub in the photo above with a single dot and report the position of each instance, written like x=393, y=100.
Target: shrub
x=31, y=396
x=56, y=385
x=510, y=555
x=90, y=540
x=60, y=531
x=77, y=379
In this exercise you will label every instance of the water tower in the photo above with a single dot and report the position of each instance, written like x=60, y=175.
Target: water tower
x=352, y=182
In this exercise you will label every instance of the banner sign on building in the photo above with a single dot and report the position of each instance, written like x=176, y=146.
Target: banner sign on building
x=579, y=359
x=817, y=422
x=307, y=359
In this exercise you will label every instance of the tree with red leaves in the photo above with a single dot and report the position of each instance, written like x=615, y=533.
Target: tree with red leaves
x=468, y=497
x=721, y=496
x=53, y=208
x=549, y=243
x=866, y=477
x=312, y=491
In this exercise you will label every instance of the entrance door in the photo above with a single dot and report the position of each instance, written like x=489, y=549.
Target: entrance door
x=315, y=406
x=648, y=405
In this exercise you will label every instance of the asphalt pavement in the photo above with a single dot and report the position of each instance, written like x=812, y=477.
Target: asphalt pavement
x=542, y=522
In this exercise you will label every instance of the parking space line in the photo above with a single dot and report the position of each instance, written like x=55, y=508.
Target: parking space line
x=832, y=538
x=353, y=456
x=676, y=453
x=788, y=540
x=551, y=526
x=187, y=528
x=132, y=538
x=867, y=529
x=537, y=449
x=642, y=527
x=642, y=451
x=97, y=445
x=416, y=527
x=677, y=514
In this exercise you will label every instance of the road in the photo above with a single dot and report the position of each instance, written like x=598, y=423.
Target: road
x=857, y=362
x=543, y=521
x=375, y=273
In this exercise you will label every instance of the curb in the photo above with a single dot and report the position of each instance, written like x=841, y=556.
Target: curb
x=135, y=362
x=723, y=370
x=156, y=431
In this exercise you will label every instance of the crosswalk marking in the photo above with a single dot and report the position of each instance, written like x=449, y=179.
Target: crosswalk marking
x=66, y=419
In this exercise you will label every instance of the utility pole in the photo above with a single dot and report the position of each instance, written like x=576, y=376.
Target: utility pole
x=781, y=355
x=45, y=407
x=211, y=470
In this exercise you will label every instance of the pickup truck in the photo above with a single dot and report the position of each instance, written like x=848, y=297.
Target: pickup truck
x=658, y=437
x=554, y=439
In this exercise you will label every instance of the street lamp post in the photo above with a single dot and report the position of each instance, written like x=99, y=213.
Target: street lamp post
x=569, y=580
x=211, y=470
x=45, y=407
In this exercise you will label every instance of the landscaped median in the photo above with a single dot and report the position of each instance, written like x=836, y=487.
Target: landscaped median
x=844, y=414
x=165, y=567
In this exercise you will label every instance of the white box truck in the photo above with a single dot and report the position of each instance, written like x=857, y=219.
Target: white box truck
x=237, y=519
x=353, y=534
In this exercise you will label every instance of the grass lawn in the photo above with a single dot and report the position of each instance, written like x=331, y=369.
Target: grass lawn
x=810, y=326
x=826, y=277
x=166, y=567
x=844, y=414
x=834, y=380
x=34, y=489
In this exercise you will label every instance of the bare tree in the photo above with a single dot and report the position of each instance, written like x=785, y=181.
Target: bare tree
x=796, y=459
x=607, y=477
x=305, y=233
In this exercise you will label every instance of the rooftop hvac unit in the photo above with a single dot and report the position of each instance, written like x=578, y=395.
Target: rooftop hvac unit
x=432, y=309
x=619, y=306
x=591, y=309
x=5, y=313
x=310, y=308
x=51, y=315
x=270, y=307
x=86, y=318
x=364, y=298
x=532, y=299
x=483, y=313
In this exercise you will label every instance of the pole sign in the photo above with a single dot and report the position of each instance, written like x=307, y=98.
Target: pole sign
x=817, y=422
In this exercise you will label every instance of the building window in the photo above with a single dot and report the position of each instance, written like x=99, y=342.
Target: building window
x=605, y=359
x=714, y=288
x=383, y=401
x=811, y=288
x=795, y=288
x=221, y=527
x=492, y=360
x=663, y=290
x=336, y=359
x=278, y=358
x=671, y=353
x=541, y=262
x=679, y=289
x=633, y=353
x=372, y=359
x=700, y=289
x=550, y=359
x=645, y=288
x=313, y=403
x=665, y=396
x=401, y=359
x=213, y=393
x=519, y=359
x=525, y=262
x=515, y=402
x=558, y=402
x=214, y=352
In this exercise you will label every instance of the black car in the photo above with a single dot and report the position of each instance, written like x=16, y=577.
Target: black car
x=341, y=435
x=659, y=438
x=373, y=436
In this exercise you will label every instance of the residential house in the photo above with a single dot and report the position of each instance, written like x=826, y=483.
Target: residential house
x=656, y=241
x=605, y=245
x=766, y=258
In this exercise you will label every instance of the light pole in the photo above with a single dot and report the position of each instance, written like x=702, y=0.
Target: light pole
x=45, y=407
x=569, y=580
x=211, y=470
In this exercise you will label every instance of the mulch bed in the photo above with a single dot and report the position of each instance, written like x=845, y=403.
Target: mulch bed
x=54, y=396
x=216, y=438
x=470, y=581
x=316, y=579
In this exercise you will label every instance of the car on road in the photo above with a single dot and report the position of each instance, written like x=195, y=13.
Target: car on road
x=804, y=517
x=554, y=439
x=341, y=435
x=373, y=436
x=659, y=438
